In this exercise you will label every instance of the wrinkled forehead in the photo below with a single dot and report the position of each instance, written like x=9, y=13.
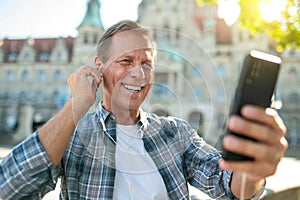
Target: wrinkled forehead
x=131, y=41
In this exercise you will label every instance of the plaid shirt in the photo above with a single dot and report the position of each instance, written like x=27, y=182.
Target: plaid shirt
x=88, y=170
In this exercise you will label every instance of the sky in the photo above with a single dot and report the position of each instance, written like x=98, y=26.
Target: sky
x=53, y=18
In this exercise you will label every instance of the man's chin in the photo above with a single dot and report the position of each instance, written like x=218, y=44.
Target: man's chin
x=129, y=107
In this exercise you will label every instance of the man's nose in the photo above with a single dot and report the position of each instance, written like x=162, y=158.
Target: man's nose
x=137, y=72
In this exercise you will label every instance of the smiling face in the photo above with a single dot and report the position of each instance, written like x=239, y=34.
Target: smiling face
x=128, y=72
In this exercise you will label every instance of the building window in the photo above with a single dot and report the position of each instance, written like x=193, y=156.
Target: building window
x=44, y=57
x=59, y=56
x=23, y=96
x=11, y=122
x=196, y=72
x=9, y=75
x=293, y=73
x=57, y=75
x=26, y=56
x=197, y=92
x=39, y=97
x=25, y=75
x=221, y=94
x=160, y=89
x=221, y=69
x=293, y=133
x=12, y=57
x=292, y=52
x=42, y=75
x=85, y=38
x=55, y=97
x=95, y=38
x=7, y=95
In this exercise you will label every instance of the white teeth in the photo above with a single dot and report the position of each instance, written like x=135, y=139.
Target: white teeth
x=134, y=88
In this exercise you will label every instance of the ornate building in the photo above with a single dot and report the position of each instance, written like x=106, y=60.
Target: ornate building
x=195, y=76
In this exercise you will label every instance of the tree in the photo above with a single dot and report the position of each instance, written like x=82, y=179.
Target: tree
x=280, y=19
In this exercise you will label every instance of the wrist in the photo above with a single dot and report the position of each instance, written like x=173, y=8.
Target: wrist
x=77, y=109
x=245, y=186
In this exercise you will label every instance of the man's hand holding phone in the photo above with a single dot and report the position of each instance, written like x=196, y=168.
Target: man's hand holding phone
x=254, y=142
x=268, y=130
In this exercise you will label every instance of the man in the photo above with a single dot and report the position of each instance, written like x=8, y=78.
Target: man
x=122, y=152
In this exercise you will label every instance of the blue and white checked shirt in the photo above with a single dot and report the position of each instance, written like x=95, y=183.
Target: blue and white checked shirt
x=87, y=169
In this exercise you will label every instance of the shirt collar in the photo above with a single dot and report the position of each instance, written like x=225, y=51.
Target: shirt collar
x=105, y=114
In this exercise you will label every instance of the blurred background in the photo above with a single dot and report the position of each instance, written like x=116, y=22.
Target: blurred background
x=202, y=44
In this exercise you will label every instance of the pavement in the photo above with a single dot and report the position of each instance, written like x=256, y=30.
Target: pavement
x=287, y=176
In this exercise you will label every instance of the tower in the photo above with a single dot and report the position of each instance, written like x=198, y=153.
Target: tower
x=89, y=31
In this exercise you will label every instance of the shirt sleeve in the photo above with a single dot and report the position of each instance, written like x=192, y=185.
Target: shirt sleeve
x=202, y=166
x=27, y=171
x=203, y=172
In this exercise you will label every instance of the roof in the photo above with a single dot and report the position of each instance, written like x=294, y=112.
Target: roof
x=222, y=30
x=92, y=15
x=40, y=45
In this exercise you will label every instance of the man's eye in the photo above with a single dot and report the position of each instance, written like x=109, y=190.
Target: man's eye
x=147, y=65
x=125, y=62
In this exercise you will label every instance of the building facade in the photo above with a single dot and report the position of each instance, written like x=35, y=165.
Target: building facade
x=199, y=59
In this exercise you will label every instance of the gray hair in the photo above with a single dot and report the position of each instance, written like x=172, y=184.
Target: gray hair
x=104, y=43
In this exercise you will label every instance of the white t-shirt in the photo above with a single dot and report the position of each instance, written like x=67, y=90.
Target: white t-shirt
x=136, y=174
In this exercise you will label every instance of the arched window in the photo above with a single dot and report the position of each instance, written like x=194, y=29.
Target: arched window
x=42, y=75
x=85, y=38
x=221, y=69
x=23, y=96
x=39, y=97
x=95, y=38
x=9, y=75
x=160, y=87
x=7, y=95
x=221, y=94
x=12, y=57
x=55, y=97
x=292, y=73
x=25, y=75
x=57, y=75
x=160, y=90
x=196, y=70
x=44, y=57
x=197, y=92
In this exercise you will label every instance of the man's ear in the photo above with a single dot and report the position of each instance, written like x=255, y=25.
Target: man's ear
x=97, y=63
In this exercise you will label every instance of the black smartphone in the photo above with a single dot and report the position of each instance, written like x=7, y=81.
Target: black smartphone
x=256, y=86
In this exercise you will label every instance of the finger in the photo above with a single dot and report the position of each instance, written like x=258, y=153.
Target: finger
x=70, y=82
x=90, y=71
x=259, y=132
x=250, y=168
x=265, y=116
x=95, y=86
x=256, y=150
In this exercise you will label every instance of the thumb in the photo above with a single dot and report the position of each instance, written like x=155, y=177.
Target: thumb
x=71, y=81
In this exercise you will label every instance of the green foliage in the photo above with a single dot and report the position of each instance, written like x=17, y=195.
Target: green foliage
x=284, y=31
